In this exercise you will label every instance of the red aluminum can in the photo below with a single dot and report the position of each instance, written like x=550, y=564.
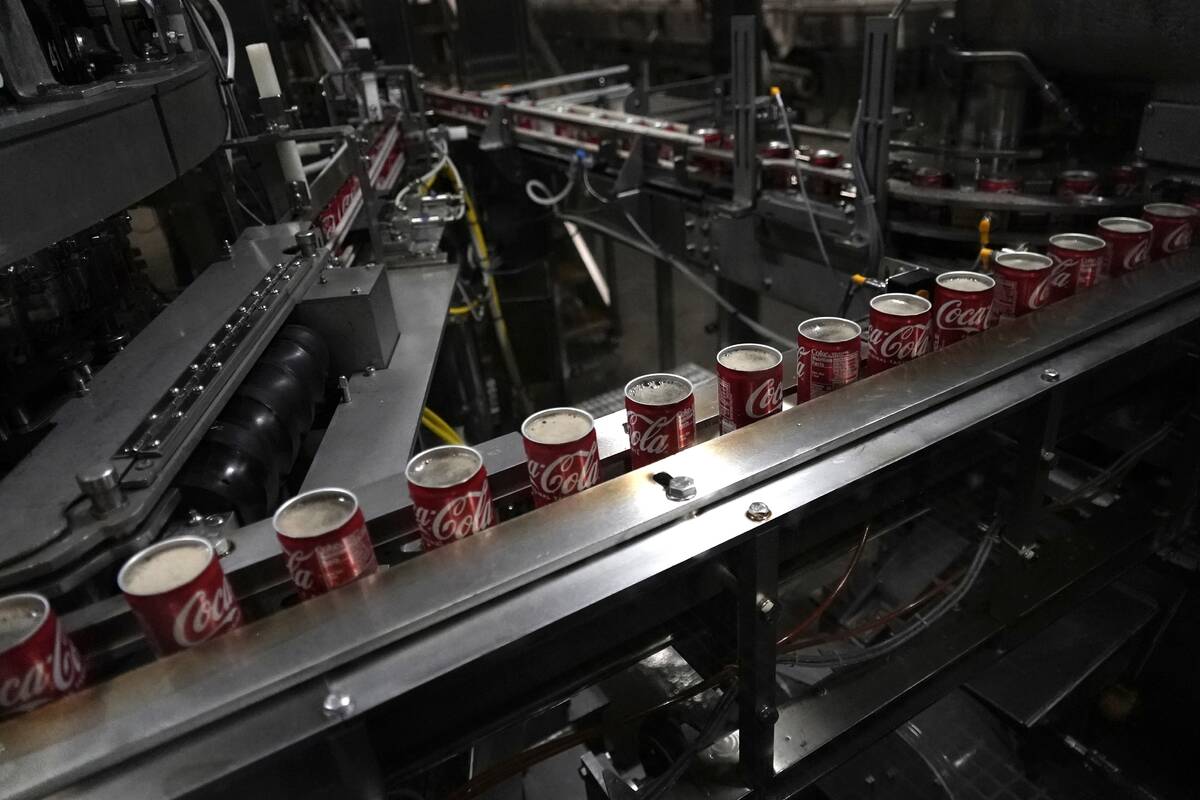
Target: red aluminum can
x=778, y=176
x=38, y=661
x=962, y=305
x=712, y=141
x=899, y=330
x=325, y=540
x=1077, y=183
x=1128, y=243
x=561, y=453
x=1022, y=283
x=1083, y=254
x=450, y=493
x=999, y=184
x=1173, y=227
x=929, y=177
x=819, y=185
x=179, y=593
x=749, y=384
x=1126, y=180
x=828, y=352
x=661, y=413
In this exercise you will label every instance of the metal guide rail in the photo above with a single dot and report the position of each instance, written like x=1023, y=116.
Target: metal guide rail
x=347, y=631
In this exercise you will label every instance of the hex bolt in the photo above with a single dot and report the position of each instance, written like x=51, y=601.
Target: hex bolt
x=768, y=714
x=1050, y=375
x=680, y=488
x=767, y=607
x=194, y=518
x=1048, y=456
x=103, y=487
x=356, y=290
x=369, y=370
x=307, y=242
x=338, y=705
x=757, y=512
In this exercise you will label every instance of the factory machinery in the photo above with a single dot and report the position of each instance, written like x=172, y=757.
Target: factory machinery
x=249, y=250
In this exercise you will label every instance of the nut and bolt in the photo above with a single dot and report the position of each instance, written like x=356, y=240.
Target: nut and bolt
x=369, y=370
x=681, y=487
x=768, y=714
x=338, y=705
x=1050, y=375
x=767, y=607
x=757, y=512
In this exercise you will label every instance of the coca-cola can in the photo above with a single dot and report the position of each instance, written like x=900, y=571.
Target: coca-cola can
x=1128, y=243
x=661, y=413
x=1173, y=225
x=1083, y=254
x=38, y=660
x=998, y=184
x=1077, y=183
x=561, y=453
x=899, y=330
x=1126, y=180
x=1023, y=283
x=962, y=305
x=749, y=384
x=828, y=352
x=325, y=540
x=929, y=177
x=818, y=184
x=450, y=494
x=179, y=593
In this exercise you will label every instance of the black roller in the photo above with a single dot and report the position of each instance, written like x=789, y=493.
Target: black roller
x=294, y=357
x=285, y=393
x=310, y=340
x=218, y=478
x=247, y=412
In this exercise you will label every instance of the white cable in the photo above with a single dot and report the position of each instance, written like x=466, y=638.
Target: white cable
x=443, y=162
x=812, y=215
x=539, y=193
x=230, y=62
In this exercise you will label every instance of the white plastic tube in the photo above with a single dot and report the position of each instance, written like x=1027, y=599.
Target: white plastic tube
x=268, y=86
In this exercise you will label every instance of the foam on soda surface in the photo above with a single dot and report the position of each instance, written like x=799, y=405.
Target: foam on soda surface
x=441, y=469
x=166, y=569
x=558, y=427
x=19, y=617
x=315, y=514
x=748, y=359
x=900, y=306
x=659, y=391
x=829, y=329
x=962, y=283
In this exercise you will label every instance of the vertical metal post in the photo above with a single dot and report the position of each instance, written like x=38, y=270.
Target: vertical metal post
x=664, y=300
x=878, y=93
x=744, y=68
x=370, y=207
x=757, y=603
x=748, y=302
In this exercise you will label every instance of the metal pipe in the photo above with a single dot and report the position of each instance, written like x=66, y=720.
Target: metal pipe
x=1050, y=93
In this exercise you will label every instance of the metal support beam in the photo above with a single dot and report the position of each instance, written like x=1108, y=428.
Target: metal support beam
x=744, y=44
x=664, y=302
x=878, y=92
x=757, y=610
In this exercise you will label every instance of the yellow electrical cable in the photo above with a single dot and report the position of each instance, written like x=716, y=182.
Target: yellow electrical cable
x=439, y=427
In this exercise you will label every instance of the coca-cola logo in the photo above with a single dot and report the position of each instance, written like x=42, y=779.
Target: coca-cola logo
x=653, y=434
x=297, y=567
x=203, y=617
x=953, y=315
x=765, y=398
x=1136, y=255
x=904, y=343
x=1178, y=239
x=566, y=474
x=466, y=514
x=59, y=673
x=801, y=364
x=1059, y=277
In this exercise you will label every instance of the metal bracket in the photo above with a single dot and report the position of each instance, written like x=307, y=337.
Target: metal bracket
x=497, y=134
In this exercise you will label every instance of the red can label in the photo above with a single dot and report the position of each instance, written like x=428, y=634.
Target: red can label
x=43, y=667
x=659, y=430
x=962, y=306
x=559, y=470
x=186, y=615
x=1083, y=255
x=897, y=337
x=828, y=353
x=1128, y=249
x=1025, y=288
x=326, y=562
x=1173, y=226
x=745, y=395
x=446, y=515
